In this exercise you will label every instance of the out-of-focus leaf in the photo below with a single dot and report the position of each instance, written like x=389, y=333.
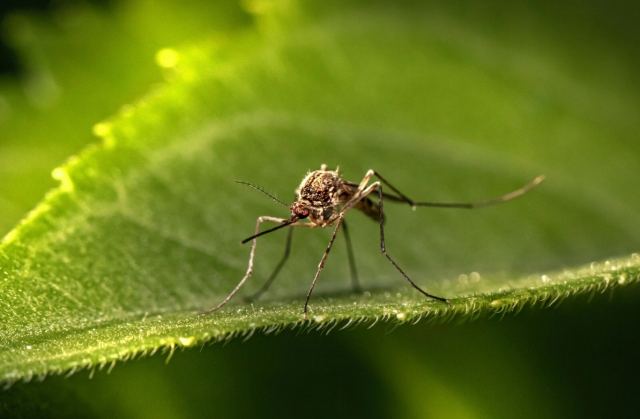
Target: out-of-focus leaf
x=81, y=65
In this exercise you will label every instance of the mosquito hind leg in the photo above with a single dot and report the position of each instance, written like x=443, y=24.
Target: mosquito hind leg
x=383, y=248
x=400, y=197
x=249, y=270
x=276, y=271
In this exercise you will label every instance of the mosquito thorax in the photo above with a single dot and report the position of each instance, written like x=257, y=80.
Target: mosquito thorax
x=320, y=192
x=321, y=188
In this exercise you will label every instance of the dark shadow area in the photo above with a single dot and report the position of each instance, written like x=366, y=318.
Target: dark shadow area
x=10, y=63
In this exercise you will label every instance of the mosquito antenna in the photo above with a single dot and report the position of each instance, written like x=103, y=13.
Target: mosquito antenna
x=258, y=188
x=262, y=233
x=502, y=198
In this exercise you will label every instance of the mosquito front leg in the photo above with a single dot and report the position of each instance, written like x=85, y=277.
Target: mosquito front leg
x=383, y=247
x=249, y=271
x=272, y=277
x=321, y=265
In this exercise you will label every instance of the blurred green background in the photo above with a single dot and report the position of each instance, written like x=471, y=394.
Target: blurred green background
x=577, y=360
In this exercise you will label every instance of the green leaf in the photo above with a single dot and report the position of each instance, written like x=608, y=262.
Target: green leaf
x=143, y=231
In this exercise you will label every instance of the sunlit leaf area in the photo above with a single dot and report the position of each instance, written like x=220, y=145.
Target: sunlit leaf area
x=141, y=140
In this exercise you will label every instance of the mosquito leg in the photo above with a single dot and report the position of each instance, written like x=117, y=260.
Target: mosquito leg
x=275, y=272
x=467, y=205
x=400, y=197
x=361, y=191
x=321, y=265
x=249, y=271
x=367, y=176
x=384, y=249
x=355, y=284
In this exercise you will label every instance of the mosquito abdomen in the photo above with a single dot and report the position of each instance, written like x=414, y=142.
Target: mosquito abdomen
x=371, y=209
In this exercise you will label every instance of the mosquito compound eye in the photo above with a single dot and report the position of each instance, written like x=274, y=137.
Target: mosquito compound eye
x=300, y=211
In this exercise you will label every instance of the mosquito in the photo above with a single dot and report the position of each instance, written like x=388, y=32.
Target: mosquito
x=323, y=199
